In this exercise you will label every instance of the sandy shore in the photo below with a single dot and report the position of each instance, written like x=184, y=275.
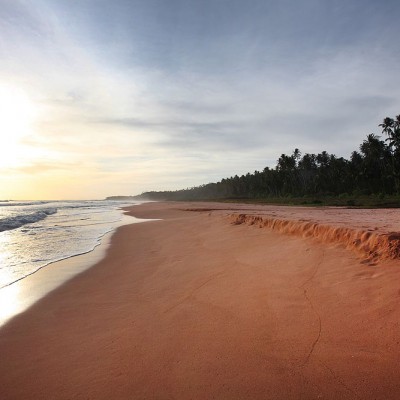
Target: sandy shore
x=204, y=305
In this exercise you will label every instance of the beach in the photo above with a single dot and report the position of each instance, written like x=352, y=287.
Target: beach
x=220, y=301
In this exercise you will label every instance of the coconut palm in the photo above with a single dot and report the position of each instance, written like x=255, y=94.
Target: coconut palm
x=391, y=127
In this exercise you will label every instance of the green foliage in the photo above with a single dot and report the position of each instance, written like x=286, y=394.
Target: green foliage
x=374, y=170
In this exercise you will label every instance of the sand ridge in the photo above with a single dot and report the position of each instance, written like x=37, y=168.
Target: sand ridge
x=373, y=233
x=373, y=246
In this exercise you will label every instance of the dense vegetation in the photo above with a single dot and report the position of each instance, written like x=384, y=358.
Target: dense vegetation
x=373, y=170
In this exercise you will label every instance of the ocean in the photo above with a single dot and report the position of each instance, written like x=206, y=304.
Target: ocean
x=35, y=234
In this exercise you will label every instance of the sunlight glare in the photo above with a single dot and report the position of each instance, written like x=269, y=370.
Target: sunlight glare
x=10, y=302
x=17, y=114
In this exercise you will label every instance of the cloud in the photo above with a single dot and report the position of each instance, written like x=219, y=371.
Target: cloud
x=40, y=168
x=180, y=93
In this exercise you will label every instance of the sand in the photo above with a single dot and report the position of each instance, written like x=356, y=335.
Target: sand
x=204, y=304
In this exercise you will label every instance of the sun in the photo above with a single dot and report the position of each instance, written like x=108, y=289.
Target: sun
x=17, y=114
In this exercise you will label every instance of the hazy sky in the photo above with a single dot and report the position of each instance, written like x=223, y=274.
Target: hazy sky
x=101, y=97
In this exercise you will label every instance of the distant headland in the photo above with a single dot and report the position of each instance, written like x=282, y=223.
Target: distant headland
x=122, y=198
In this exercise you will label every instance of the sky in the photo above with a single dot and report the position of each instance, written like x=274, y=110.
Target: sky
x=102, y=98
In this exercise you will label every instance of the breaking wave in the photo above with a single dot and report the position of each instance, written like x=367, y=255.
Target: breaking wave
x=14, y=222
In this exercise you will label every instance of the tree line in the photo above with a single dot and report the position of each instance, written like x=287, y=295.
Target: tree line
x=372, y=170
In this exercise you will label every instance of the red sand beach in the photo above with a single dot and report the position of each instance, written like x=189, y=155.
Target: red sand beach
x=222, y=301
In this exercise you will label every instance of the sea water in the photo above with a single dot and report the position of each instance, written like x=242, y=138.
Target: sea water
x=35, y=234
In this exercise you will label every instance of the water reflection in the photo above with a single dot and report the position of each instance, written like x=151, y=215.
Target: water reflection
x=5, y=257
x=19, y=296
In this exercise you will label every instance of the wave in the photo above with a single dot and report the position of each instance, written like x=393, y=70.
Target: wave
x=9, y=203
x=47, y=262
x=9, y=223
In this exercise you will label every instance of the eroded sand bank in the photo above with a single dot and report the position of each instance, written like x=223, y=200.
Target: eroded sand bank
x=198, y=306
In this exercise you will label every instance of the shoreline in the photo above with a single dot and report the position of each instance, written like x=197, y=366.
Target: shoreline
x=18, y=296
x=193, y=306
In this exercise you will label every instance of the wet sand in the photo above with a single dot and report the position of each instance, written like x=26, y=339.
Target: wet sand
x=205, y=304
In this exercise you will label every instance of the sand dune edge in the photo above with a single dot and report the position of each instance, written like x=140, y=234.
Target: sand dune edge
x=369, y=245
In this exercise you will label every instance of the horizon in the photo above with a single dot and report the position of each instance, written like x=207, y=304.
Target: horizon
x=99, y=99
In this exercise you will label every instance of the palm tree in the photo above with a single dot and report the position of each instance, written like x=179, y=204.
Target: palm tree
x=375, y=158
x=391, y=127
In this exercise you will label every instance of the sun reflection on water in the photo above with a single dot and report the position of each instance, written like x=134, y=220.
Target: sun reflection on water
x=10, y=301
x=5, y=256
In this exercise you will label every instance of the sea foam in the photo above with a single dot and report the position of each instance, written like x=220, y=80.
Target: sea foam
x=17, y=221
